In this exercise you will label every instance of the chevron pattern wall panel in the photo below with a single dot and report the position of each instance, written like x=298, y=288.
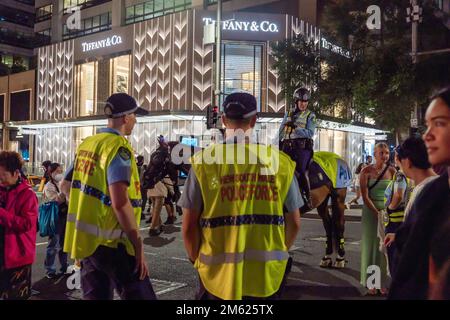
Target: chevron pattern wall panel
x=275, y=96
x=202, y=73
x=180, y=61
x=300, y=27
x=161, y=62
x=54, y=84
x=55, y=145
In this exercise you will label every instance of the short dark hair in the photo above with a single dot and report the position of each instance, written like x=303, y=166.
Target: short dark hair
x=52, y=167
x=444, y=94
x=11, y=161
x=359, y=168
x=140, y=157
x=46, y=164
x=415, y=150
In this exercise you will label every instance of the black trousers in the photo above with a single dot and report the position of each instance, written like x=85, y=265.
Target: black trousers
x=108, y=269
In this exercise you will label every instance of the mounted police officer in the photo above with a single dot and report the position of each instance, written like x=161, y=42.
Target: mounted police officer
x=296, y=139
x=105, y=209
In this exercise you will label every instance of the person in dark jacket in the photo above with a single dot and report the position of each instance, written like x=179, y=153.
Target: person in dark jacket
x=430, y=210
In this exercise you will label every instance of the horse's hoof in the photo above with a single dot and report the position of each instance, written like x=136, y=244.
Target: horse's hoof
x=340, y=263
x=326, y=262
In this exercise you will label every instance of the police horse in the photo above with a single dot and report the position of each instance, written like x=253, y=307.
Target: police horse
x=329, y=177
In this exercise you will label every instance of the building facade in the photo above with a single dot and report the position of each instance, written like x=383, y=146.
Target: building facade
x=164, y=63
x=17, y=38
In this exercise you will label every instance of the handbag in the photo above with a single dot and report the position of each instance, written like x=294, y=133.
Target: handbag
x=48, y=217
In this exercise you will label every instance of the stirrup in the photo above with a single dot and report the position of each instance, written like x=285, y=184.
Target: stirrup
x=326, y=262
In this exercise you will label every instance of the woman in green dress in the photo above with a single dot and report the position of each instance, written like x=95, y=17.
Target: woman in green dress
x=373, y=181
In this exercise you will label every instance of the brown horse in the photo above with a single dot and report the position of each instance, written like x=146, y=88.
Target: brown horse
x=322, y=190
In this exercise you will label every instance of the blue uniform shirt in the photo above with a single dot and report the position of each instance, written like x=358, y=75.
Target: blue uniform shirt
x=118, y=170
x=307, y=132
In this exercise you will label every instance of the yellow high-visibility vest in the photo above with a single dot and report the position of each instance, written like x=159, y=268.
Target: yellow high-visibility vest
x=300, y=121
x=399, y=214
x=243, y=186
x=91, y=221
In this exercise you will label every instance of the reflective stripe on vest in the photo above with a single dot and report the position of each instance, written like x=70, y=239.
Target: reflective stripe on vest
x=94, y=230
x=248, y=255
x=105, y=199
x=242, y=219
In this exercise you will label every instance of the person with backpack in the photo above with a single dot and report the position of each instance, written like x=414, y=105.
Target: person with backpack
x=18, y=221
x=55, y=245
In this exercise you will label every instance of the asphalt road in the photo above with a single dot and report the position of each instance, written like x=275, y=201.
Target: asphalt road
x=174, y=278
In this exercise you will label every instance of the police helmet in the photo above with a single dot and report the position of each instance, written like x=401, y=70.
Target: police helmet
x=301, y=94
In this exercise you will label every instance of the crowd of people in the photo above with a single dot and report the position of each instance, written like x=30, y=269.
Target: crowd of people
x=102, y=197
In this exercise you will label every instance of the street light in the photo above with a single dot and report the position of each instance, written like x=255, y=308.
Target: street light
x=414, y=16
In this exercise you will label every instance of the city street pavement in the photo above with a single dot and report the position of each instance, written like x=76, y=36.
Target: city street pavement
x=173, y=276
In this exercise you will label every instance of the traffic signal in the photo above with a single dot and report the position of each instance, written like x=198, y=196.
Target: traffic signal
x=212, y=115
x=209, y=117
x=215, y=116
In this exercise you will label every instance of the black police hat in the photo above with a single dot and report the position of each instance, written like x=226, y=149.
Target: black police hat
x=120, y=104
x=239, y=105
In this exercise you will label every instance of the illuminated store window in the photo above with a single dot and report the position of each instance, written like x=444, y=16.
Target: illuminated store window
x=86, y=76
x=120, y=74
x=241, y=69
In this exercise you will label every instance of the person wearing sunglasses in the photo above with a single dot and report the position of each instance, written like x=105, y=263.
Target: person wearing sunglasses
x=296, y=139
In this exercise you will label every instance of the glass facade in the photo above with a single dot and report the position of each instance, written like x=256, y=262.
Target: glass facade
x=44, y=13
x=96, y=81
x=89, y=25
x=120, y=67
x=85, y=91
x=155, y=8
x=241, y=69
x=81, y=3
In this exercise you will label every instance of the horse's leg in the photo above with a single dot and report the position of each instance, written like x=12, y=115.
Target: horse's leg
x=322, y=209
x=338, y=218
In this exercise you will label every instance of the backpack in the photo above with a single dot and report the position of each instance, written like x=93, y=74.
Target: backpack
x=48, y=216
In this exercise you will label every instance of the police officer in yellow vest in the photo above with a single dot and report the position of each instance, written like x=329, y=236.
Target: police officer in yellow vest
x=105, y=209
x=235, y=230
x=296, y=139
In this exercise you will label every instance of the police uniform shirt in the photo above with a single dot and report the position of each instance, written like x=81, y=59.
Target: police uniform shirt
x=191, y=197
x=307, y=132
x=399, y=184
x=119, y=169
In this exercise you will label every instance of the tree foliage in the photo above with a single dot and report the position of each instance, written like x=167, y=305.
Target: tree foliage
x=297, y=64
x=379, y=81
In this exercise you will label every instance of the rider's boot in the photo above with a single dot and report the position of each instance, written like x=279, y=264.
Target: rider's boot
x=306, y=192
